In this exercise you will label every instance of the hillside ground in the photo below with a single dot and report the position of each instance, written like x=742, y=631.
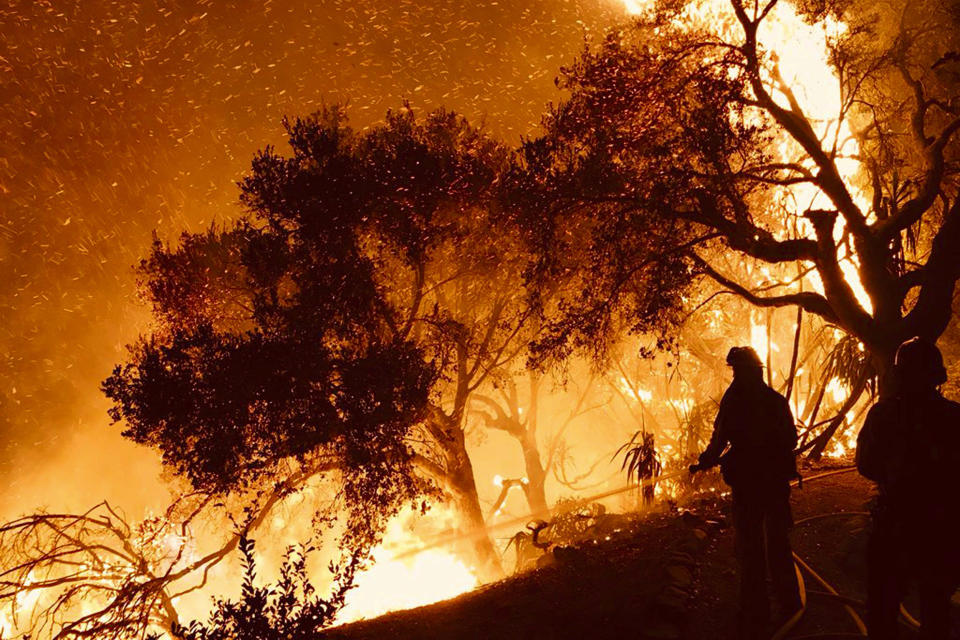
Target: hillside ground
x=665, y=575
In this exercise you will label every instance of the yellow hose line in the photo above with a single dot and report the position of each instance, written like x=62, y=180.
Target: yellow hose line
x=853, y=602
x=799, y=563
x=795, y=618
x=857, y=620
x=835, y=514
x=909, y=619
x=829, y=636
x=825, y=474
x=904, y=613
x=451, y=536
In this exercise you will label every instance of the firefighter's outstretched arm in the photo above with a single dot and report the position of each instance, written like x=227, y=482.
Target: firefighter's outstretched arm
x=718, y=443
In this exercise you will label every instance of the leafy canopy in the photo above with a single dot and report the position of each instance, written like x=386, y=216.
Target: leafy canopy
x=685, y=149
x=277, y=342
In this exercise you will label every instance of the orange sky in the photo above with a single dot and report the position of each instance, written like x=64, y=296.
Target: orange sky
x=122, y=118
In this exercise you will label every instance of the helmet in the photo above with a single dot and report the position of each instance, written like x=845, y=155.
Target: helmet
x=919, y=362
x=743, y=356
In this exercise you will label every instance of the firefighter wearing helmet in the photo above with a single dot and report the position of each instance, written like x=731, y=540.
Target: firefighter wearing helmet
x=753, y=439
x=910, y=446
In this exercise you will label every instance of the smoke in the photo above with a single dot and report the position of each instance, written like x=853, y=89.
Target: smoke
x=126, y=118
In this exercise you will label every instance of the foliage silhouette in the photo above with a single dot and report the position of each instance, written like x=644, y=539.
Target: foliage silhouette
x=641, y=462
x=682, y=152
x=342, y=324
x=287, y=610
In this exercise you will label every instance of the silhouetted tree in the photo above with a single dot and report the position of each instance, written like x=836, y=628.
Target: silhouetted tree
x=87, y=574
x=684, y=156
x=98, y=574
x=474, y=322
x=344, y=321
x=500, y=408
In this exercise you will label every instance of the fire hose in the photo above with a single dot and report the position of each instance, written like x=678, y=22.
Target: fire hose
x=451, y=536
x=830, y=592
x=800, y=565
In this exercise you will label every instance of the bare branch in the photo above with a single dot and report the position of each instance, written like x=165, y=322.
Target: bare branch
x=911, y=212
x=808, y=301
x=795, y=123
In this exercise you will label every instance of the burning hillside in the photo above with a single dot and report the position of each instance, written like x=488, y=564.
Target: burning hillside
x=419, y=355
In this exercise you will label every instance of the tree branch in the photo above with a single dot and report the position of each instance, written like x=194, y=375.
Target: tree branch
x=931, y=314
x=795, y=123
x=749, y=238
x=808, y=301
x=911, y=212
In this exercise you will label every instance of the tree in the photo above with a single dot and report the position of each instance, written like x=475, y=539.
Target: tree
x=97, y=574
x=687, y=153
x=475, y=323
x=542, y=449
x=273, y=359
x=75, y=574
x=345, y=321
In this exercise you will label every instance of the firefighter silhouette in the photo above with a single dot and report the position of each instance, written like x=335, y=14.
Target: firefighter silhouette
x=753, y=439
x=910, y=446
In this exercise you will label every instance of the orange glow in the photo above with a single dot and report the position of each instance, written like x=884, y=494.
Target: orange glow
x=759, y=339
x=799, y=52
x=639, y=394
x=392, y=584
x=396, y=579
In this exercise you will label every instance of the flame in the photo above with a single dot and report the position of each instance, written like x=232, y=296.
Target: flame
x=803, y=61
x=392, y=584
x=23, y=603
x=837, y=390
x=842, y=446
x=639, y=394
x=759, y=339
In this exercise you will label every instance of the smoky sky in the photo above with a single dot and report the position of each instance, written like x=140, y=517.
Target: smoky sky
x=125, y=119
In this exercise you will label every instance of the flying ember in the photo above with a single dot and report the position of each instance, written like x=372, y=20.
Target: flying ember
x=479, y=319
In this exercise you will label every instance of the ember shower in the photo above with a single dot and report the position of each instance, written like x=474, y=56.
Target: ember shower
x=125, y=118
x=133, y=123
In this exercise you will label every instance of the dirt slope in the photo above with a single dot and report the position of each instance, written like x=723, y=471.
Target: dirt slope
x=597, y=590
x=639, y=585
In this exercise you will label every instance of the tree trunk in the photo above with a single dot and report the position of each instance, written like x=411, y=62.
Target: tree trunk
x=536, y=476
x=456, y=477
x=476, y=544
